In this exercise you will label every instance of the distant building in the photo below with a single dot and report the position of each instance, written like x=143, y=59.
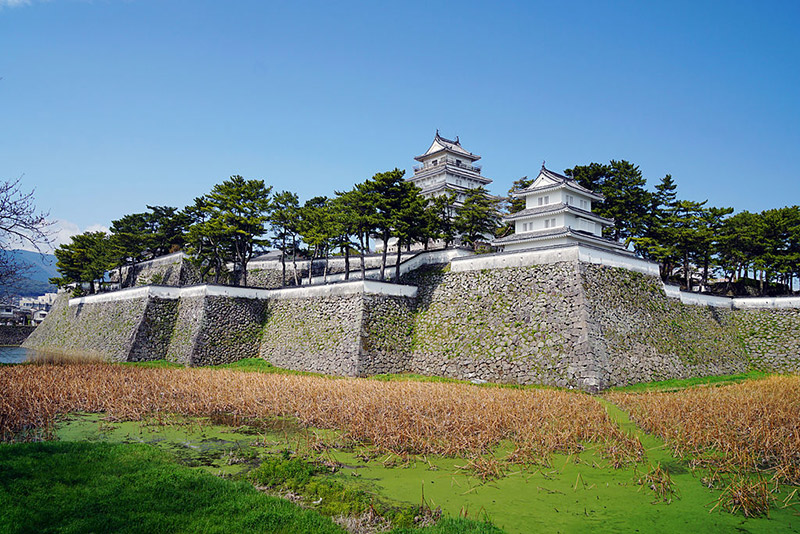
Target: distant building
x=38, y=317
x=558, y=211
x=446, y=166
x=14, y=315
x=42, y=302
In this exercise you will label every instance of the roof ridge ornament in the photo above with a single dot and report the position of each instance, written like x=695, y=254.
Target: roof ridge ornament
x=543, y=165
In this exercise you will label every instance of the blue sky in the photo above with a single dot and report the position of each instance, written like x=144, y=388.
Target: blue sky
x=106, y=106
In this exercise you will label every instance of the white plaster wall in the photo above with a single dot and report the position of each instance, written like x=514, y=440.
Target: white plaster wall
x=171, y=293
x=554, y=242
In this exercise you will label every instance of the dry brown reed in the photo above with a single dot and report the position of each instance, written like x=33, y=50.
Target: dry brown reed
x=660, y=482
x=746, y=494
x=743, y=428
x=399, y=417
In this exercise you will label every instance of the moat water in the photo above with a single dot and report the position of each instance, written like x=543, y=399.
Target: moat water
x=15, y=354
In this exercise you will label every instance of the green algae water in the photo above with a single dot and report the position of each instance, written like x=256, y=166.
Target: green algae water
x=575, y=493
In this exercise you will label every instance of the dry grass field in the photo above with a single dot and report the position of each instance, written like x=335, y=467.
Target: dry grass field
x=402, y=417
x=752, y=427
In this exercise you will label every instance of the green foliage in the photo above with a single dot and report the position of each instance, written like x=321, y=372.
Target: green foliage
x=443, y=210
x=398, y=211
x=85, y=259
x=83, y=487
x=627, y=202
x=477, y=219
x=229, y=224
x=329, y=496
x=141, y=236
x=285, y=221
x=514, y=204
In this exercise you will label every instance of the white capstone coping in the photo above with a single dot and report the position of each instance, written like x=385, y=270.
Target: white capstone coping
x=699, y=299
x=331, y=290
x=430, y=257
x=123, y=294
x=275, y=263
x=161, y=260
x=610, y=258
x=555, y=254
x=345, y=288
x=672, y=291
x=522, y=258
x=735, y=303
x=743, y=303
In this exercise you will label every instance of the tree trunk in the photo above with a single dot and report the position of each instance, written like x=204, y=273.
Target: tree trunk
x=325, y=267
x=686, y=271
x=294, y=260
x=283, y=260
x=383, y=255
x=397, y=265
x=347, y=262
x=311, y=266
x=363, y=268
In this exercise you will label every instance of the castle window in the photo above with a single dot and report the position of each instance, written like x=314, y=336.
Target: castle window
x=584, y=205
x=570, y=200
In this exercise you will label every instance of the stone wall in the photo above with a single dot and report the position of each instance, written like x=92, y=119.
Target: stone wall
x=14, y=335
x=170, y=270
x=577, y=324
x=638, y=334
x=107, y=329
x=154, y=333
x=314, y=334
x=229, y=331
x=576, y=321
x=770, y=338
x=519, y=324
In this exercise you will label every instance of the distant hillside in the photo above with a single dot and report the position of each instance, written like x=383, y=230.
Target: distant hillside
x=41, y=268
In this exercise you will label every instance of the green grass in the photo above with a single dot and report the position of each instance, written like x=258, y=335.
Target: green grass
x=82, y=487
x=680, y=384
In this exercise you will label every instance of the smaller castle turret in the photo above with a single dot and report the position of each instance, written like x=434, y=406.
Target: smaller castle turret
x=558, y=211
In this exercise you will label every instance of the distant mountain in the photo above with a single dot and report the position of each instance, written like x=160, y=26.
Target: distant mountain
x=34, y=282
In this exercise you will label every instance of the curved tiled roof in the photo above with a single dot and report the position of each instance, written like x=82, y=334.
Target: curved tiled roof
x=556, y=208
x=441, y=143
x=543, y=235
x=560, y=180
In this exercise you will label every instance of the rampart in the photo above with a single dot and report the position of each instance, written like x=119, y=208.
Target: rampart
x=567, y=316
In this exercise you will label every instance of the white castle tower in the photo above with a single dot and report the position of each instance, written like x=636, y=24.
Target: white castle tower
x=446, y=166
x=558, y=211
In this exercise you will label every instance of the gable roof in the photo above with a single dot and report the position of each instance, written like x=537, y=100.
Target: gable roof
x=530, y=213
x=441, y=144
x=548, y=179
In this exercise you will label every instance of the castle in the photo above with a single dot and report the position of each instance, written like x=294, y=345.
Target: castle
x=559, y=306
